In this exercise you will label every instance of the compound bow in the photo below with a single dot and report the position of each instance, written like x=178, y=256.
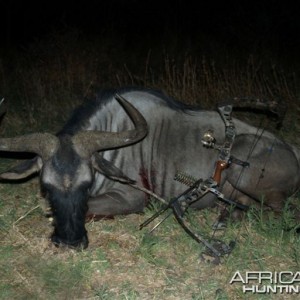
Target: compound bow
x=199, y=188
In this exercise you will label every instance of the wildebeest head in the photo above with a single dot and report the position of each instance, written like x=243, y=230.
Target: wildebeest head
x=67, y=164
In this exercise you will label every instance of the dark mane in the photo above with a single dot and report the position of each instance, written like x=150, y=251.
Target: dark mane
x=87, y=109
x=84, y=111
x=170, y=101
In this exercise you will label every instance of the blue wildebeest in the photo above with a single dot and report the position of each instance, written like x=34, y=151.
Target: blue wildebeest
x=83, y=168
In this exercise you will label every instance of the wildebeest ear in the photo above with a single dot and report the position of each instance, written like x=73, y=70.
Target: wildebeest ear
x=106, y=168
x=23, y=170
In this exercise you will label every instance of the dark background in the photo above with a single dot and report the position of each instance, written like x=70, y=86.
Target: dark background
x=234, y=23
x=193, y=50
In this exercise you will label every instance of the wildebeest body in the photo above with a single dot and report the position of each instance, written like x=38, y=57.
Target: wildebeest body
x=79, y=182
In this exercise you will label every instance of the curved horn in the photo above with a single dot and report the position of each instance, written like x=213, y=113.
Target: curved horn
x=88, y=142
x=43, y=144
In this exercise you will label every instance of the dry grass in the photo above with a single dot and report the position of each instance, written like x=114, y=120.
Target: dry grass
x=47, y=81
x=124, y=263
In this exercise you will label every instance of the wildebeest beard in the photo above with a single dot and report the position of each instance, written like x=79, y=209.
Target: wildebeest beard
x=69, y=209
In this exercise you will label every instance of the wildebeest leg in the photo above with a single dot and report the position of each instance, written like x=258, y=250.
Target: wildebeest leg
x=235, y=214
x=272, y=175
x=272, y=200
x=209, y=200
x=275, y=200
x=115, y=202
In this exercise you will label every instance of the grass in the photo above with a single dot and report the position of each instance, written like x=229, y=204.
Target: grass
x=49, y=78
x=125, y=263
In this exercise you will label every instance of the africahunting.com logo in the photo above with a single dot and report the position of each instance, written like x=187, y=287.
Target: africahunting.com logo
x=265, y=282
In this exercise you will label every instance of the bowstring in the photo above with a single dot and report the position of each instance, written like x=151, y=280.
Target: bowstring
x=255, y=142
x=256, y=139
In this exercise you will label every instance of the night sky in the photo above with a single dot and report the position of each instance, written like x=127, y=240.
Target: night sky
x=233, y=22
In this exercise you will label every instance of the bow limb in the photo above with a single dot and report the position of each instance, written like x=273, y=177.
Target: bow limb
x=197, y=237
